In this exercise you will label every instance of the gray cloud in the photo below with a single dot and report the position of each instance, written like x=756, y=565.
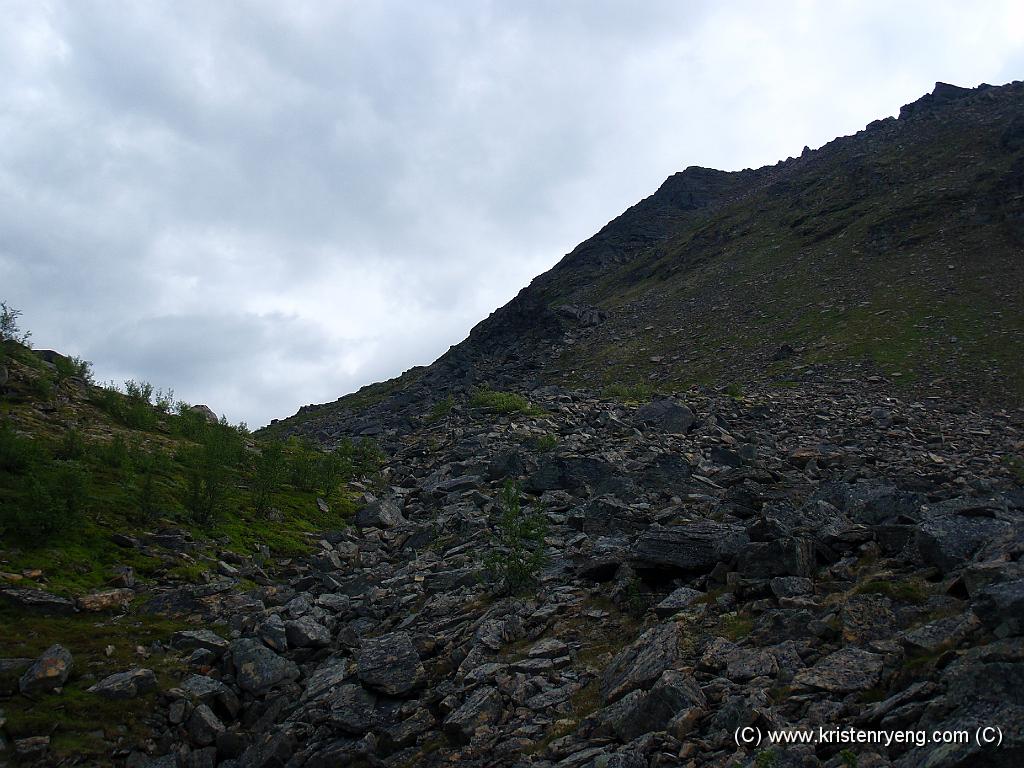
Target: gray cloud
x=264, y=204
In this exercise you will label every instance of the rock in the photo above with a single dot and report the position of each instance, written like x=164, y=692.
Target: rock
x=549, y=648
x=305, y=632
x=639, y=665
x=353, y=709
x=846, y=670
x=674, y=695
x=274, y=633
x=677, y=601
x=784, y=556
x=390, y=664
x=206, y=412
x=190, y=639
x=867, y=617
x=258, y=669
x=204, y=726
x=37, y=600
x=1001, y=608
x=380, y=513
x=791, y=586
x=47, y=673
x=32, y=748
x=482, y=708
x=666, y=415
x=126, y=685
x=691, y=548
x=108, y=600
x=949, y=542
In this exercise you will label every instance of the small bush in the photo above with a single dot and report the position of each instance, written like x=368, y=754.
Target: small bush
x=628, y=392
x=113, y=453
x=53, y=503
x=500, y=402
x=268, y=474
x=544, y=443
x=72, y=445
x=516, y=544
x=73, y=367
x=17, y=454
x=441, y=408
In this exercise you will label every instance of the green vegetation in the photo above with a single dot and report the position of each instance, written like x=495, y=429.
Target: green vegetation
x=543, y=443
x=907, y=590
x=440, y=409
x=516, y=551
x=502, y=402
x=734, y=627
x=9, y=330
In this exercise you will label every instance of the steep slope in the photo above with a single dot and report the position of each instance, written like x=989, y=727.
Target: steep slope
x=895, y=251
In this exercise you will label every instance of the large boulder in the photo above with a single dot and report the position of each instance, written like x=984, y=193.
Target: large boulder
x=380, y=513
x=258, y=669
x=390, y=664
x=666, y=415
x=949, y=542
x=47, y=673
x=693, y=547
x=482, y=708
x=845, y=671
x=675, y=694
x=639, y=665
x=1001, y=607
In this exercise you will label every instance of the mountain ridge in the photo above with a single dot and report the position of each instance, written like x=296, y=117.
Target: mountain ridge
x=842, y=208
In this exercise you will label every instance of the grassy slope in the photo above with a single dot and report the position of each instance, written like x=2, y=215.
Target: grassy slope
x=80, y=558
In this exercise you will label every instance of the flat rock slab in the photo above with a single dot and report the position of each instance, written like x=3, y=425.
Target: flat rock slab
x=844, y=671
x=37, y=600
x=107, y=600
x=690, y=547
x=390, y=664
x=126, y=685
x=666, y=415
x=483, y=707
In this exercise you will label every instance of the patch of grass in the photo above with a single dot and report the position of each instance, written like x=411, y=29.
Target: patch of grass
x=906, y=590
x=734, y=627
x=440, y=409
x=543, y=443
x=628, y=393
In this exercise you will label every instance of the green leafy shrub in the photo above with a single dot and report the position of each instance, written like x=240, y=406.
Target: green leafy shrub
x=72, y=445
x=52, y=504
x=113, y=453
x=73, y=367
x=440, y=409
x=516, y=552
x=268, y=474
x=17, y=454
x=9, y=330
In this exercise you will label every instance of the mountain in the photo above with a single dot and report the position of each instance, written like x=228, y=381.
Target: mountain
x=895, y=251
x=739, y=482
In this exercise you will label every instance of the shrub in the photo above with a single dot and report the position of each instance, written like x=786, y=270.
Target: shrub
x=72, y=445
x=516, y=552
x=73, y=367
x=113, y=453
x=500, y=402
x=53, y=503
x=17, y=454
x=268, y=474
x=9, y=330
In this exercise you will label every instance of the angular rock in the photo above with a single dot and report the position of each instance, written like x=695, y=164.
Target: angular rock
x=390, y=664
x=353, y=709
x=126, y=685
x=305, y=632
x=846, y=670
x=639, y=665
x=204, y=726
x=674, y=695
x=108, y=600
x=258, y=669
x=666, y=415
x=190, y=639
x=47, y=673
x=1001, y=607
x=692, y=547
x=949, y=542
x=483, y=707
x=37, y=600
x=677, y=601
x=380, y=513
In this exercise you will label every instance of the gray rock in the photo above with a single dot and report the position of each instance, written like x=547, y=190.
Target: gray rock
x=274, y=633
x=353, y=709
x=674, y=694
x=791, y=586
x=37, y=600
x=677, y=601
x=666, y=415
x=258, y=669
x=47, y=673
x=691, y=547
x=204, y=726
x=380, y=513
x=305, y=632
x=639, y=665
x=206, y=412
x=190, y=639
x=483, y=707
x=846, y=670
x=126, y=685
x=1001, y=607
x=949, y=542
x=390, y=664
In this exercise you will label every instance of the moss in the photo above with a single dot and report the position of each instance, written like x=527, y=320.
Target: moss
x=502, y=402
x=734, y=627
x=906, y=590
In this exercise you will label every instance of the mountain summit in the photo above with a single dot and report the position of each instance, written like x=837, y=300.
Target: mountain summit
x=893, y=252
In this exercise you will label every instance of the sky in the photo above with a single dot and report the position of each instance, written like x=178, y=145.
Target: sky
x=261, y=205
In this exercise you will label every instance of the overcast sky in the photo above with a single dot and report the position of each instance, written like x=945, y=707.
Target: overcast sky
x=266, y=204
